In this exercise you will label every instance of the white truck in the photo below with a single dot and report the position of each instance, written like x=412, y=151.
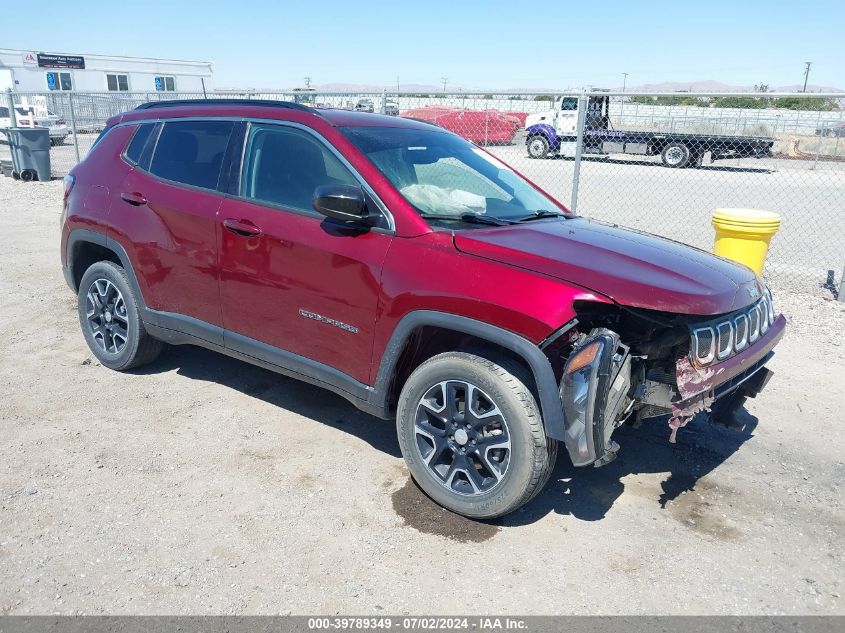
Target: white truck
x=555, y=132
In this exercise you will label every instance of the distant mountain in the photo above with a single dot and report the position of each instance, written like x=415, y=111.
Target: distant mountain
x=718, y=86
x=708, y=85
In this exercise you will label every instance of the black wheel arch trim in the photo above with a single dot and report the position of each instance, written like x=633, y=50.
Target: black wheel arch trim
x=544, y=378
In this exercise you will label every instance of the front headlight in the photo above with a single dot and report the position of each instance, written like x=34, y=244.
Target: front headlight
x=596, y=379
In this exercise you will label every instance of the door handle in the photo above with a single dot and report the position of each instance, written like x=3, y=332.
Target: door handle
x=133, y=198
x=244, y=228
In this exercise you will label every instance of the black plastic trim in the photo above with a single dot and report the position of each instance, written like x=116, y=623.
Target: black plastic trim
x=547, y=387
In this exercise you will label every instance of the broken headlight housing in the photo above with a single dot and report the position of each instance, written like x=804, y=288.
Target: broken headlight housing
x=594, y=393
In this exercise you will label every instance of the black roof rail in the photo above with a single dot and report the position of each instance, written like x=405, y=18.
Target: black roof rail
x=266, y=103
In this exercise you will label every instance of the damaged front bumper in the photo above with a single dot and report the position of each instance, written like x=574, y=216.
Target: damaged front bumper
x=699, y=387
x=598, y=390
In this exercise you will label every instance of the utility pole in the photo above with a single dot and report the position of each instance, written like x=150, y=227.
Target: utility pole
x=806, y=74
x=445, y=79
x=397, y=85
x=624, y=81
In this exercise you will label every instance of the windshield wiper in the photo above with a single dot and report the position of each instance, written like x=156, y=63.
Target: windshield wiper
x=469, y=218
x=540, y=214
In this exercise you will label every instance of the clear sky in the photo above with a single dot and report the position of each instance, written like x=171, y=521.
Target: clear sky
x=495, y=44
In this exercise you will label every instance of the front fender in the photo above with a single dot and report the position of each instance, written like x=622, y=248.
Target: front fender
x=546, y=131
x=544, y=377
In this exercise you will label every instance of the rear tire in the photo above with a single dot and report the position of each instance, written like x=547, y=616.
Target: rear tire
x=110, y=318
x=675, y=155
x=538, y=147
x=472, y=436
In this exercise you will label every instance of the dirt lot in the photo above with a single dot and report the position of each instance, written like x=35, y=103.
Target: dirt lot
x=204, y=485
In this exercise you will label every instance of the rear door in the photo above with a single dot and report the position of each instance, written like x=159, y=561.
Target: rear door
x=290, y=278
x=171, y=200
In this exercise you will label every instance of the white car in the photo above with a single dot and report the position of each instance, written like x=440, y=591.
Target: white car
x=57, y=126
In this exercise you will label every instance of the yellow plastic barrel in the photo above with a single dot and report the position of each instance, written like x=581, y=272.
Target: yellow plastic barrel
x=743, y=235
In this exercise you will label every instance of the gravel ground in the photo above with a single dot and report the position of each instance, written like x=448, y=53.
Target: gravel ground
x=204, y=485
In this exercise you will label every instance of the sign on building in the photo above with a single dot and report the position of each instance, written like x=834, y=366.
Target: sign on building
x=61, y=61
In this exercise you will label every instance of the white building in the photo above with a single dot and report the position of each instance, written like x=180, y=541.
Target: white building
x=38, y=71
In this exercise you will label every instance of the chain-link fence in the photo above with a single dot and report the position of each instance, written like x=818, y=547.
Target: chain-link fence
x=659, y=163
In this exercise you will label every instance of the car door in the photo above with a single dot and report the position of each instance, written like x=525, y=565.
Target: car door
x=294, y=284
x=170, y=200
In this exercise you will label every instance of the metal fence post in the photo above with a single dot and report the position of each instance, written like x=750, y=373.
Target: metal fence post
x=840, y=294
x=73, y=126
x=10, y=101
x=579, y=148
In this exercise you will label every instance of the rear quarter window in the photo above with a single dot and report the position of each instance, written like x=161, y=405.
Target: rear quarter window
x=192, y=152
x=139, y=141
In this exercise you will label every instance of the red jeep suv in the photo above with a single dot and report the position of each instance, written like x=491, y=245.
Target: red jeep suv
x=414, y=274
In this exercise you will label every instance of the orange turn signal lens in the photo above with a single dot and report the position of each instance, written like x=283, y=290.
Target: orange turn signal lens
x=583, y=357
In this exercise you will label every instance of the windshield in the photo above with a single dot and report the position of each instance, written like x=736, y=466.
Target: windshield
x=446, y=178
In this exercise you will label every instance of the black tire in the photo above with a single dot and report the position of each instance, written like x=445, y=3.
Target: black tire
x=28, y=175
x=138, y=347
x=537, y=146
x=530, y=454
x=675, y=155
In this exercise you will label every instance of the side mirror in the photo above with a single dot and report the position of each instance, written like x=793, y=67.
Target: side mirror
x=343, y=202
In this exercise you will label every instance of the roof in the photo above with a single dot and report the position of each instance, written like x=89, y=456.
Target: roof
x=16, y=51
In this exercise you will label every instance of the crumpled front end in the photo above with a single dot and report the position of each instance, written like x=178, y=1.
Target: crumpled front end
x=620, y=365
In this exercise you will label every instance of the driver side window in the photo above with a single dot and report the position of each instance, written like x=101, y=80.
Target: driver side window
x=283, y=166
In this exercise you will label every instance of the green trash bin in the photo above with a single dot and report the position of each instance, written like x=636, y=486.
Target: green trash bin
x=30, y=148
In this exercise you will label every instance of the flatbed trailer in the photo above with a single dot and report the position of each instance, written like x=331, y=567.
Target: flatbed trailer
x=555, y=133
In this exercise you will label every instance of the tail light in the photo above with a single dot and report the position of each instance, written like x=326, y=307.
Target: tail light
x=68, y=183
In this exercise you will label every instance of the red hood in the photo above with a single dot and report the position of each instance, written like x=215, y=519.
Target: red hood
x=635, y=269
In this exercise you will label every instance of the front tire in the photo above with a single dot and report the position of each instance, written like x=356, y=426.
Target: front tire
x=471, y=434
x=110, y=318
x=538, y=147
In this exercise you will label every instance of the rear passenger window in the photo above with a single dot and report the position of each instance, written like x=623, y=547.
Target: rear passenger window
x=191, y=152
x=138, y=142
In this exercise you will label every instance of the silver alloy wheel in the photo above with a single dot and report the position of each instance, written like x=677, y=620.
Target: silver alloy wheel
x=108, y=320
x=536, y=147
x=674, y=155
x=462, y=437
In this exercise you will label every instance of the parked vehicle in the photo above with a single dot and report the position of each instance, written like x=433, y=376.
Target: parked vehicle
x=555, y=132
x=305, y=96
x=485, y=127
x=391, y=108
x=364, y=105
x=414, y=274
x=834, y=129
x=26, y=117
